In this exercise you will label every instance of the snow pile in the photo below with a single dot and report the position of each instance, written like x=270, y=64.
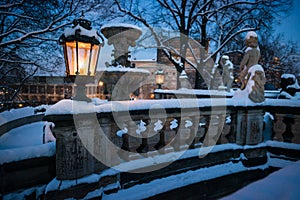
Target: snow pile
x=293, y=77
x=62, y=185
x=23, y=136
x=67, y=106
x=283, y=184
x=146, y=190
x=47, y=132
x=25, y=142
x=121, y=132
x=13, y=114
x=244, y=94
x=141, y=127
x=17, y=154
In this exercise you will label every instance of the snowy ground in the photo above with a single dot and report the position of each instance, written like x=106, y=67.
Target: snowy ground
x=24, y=136
x=283, y=184
x=24, y=142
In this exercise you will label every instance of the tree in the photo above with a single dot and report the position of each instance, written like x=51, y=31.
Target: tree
x=218, y=21
x=28, y=36
x=276, y=57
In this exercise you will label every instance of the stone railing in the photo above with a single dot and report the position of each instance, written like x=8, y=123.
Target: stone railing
x=116, y=132
x=4, y=128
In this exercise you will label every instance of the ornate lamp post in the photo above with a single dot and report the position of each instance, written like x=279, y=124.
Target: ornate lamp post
x=81, y=48
x=159, y=78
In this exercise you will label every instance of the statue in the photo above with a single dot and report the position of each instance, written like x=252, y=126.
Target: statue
x=251, y=57
x=290, y=88
x=252, y=75
x=227, y=75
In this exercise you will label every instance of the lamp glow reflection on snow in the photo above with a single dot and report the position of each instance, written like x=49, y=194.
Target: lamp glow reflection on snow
x=81, y=48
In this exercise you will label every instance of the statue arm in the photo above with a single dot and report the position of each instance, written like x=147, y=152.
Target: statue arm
x=244, y=61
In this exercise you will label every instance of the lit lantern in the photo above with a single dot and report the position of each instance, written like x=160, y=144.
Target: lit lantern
x=81, y=47
x=159, y=77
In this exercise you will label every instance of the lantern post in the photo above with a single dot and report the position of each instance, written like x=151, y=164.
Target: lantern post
x=81, y=48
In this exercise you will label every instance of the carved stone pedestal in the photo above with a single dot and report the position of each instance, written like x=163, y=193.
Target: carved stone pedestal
x=82, y=145
x=249, y=127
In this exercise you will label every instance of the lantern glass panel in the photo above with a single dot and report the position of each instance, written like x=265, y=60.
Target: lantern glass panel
x=160, y=78
x=85, y=62
x=94, y=59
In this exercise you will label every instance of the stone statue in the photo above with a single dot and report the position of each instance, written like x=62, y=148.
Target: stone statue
x=227, y=75
x=290, y=88
x=252, y=75
x=257, y=81
x=251, y=57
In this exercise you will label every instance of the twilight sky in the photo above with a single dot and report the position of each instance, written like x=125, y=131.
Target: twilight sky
x=290, y=26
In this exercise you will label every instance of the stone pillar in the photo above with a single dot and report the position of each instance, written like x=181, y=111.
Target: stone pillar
x=82, y=148
x=249, y=127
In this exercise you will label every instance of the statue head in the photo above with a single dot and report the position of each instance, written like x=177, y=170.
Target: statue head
x=251, y=39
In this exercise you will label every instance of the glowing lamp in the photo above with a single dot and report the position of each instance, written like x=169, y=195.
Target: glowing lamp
x=81, y=48
x=159, y=77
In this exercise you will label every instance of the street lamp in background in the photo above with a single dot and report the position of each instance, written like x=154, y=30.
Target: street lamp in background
x=81, y=48
x=159, y=78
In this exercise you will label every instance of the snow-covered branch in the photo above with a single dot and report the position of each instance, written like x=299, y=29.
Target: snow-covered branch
x=16, y=15
x=10, y=5
x=50, y=28
x=226, y=41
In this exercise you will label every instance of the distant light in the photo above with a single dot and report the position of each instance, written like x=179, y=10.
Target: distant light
x=101, y=83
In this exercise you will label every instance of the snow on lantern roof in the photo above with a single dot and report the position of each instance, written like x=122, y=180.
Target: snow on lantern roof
x=89, y=33
x=82, y=32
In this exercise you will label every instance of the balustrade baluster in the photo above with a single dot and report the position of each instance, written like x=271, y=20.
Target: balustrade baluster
x=193, y=132
x=214, y=131
x=233, y=127
x=296, y=129
x=144, y=147
x=176, y=141
x=225, y=130
x=279, y=127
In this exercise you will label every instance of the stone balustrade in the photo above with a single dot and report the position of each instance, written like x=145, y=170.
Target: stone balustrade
x=91, y=138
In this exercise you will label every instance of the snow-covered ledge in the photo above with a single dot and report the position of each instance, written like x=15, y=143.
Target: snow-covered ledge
x=67, y=107
x=121, y=128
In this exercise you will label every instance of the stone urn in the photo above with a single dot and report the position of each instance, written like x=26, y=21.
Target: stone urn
x=121, y=79
x=121, y=36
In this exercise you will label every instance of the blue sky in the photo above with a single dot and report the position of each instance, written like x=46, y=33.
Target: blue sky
x=290, y=26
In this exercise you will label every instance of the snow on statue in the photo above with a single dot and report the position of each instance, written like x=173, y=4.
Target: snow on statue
x=227, y=75
x=252, y=74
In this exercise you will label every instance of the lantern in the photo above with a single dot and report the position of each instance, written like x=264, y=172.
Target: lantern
x=159, y=77
x=81, y=48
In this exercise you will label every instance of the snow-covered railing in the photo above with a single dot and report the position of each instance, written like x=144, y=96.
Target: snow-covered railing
x=18, y=117
x=119, y=131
